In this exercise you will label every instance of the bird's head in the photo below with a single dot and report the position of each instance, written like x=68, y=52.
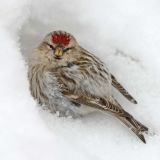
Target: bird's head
x=57, y=47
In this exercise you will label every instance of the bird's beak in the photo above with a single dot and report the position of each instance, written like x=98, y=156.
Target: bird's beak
x=58, y=52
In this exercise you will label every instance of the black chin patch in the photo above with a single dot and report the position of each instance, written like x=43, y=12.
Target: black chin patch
x=58, y=58
x=70, y=64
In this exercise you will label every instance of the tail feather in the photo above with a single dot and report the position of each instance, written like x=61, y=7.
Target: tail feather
x=122, y=90
x=135, y=126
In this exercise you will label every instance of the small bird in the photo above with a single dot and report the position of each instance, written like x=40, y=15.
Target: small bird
x=63, y=76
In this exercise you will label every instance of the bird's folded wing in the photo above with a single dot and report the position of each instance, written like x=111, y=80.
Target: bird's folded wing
x=96, y=102
x=122, y=90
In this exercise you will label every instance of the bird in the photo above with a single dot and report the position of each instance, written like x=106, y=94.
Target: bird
x=63, y=76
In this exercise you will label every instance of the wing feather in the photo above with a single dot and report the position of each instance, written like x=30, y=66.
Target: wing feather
x=122, y=90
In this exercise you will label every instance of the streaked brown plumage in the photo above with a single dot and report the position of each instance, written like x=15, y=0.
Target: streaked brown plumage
x=63, y=75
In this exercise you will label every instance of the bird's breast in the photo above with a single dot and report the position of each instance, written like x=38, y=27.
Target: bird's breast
x=84, y=80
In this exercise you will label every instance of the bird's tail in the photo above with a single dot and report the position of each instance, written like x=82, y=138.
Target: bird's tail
x=137, y=127
x=122, y=90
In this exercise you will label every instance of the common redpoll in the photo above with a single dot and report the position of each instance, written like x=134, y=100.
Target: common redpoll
x=63, y=76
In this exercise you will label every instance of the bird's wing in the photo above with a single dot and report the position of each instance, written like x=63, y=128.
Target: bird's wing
x=122, y=90
x=109, y=105
x=114, y=108
x=114, y=81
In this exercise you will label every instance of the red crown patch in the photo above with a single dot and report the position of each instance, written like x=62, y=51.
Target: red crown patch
x=60, y=38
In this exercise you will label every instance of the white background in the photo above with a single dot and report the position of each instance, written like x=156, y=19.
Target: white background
x=125, y=34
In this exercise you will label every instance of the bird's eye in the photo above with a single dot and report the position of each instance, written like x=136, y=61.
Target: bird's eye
x=50, y=46
x=67, y=49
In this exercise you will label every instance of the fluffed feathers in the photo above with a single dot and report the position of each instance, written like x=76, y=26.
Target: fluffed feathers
x=63, y=75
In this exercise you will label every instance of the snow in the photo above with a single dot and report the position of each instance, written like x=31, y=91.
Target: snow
x=125, y=34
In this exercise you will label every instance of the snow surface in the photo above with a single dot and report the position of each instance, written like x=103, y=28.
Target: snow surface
x=125, y=34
